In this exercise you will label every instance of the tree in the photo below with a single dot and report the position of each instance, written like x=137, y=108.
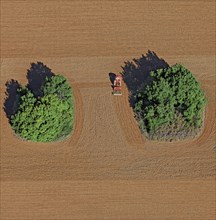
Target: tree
x=173, y=91
x=46, y=118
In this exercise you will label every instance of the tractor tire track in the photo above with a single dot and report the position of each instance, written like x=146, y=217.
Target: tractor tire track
x=79, y=114
x=126, y=119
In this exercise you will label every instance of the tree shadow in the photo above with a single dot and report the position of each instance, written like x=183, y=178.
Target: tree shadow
x=137, y=72
x=12, y=98
x=36, y=76
x=112, y=77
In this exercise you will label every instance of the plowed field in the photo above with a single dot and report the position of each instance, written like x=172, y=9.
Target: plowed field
x=106, y=169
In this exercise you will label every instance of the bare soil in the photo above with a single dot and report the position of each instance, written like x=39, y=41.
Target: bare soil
x=106, y=169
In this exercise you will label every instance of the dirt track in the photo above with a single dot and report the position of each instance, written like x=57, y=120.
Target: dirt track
x=106, y=169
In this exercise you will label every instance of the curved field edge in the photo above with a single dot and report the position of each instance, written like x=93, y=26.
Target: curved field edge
x=133, y=133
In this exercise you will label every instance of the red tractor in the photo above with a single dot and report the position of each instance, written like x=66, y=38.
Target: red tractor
x=117, y=85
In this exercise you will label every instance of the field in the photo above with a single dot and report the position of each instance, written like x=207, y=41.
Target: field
x=106, y=169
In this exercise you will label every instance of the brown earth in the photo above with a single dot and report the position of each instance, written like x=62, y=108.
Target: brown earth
x=106, y=170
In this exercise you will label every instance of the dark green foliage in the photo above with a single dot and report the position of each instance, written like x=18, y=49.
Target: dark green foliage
x=173, y=91
x=58, y=85
x=46, y=118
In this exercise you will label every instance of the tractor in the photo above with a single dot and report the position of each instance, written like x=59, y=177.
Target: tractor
x=117, y=85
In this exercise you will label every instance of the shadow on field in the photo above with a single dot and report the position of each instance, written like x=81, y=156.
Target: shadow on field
x=112, y=77
x=12, y=97
x=36, y=76
x=137, y=72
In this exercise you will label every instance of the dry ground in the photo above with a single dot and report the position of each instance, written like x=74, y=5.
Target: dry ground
x=106, y=170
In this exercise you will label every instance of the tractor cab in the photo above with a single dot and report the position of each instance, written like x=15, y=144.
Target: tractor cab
x=117, y=85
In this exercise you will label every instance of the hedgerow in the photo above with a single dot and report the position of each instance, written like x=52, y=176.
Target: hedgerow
x=172, y=105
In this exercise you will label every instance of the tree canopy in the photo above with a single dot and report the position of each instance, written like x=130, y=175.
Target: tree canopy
x=174, y=94
x=48, y=117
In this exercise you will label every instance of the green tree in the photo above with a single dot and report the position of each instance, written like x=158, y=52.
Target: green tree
x=46, y=118
x=173, y=91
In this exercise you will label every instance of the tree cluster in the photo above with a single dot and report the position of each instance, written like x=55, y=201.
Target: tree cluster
x=173, y=93
x=48, y=117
